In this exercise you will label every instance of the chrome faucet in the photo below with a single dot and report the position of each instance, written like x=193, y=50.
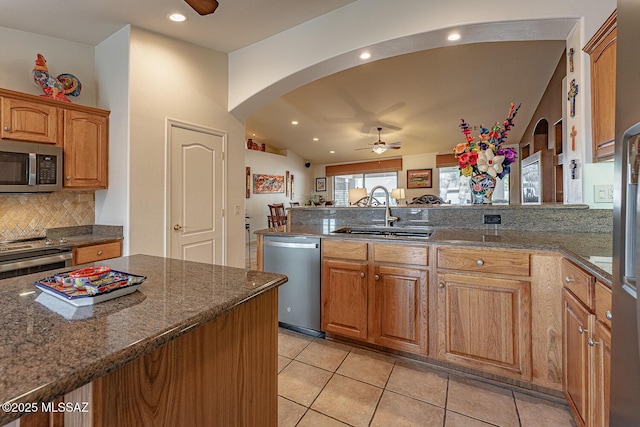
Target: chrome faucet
x=388, y=218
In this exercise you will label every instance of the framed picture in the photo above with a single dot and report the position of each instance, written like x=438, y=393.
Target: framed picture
x=292, y=187
x=265, y=184
x=248, y=183
x=419, y=178
x=287, y=183
x=321, y=184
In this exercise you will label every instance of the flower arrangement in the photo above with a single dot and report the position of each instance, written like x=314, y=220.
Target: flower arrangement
x=486, y=155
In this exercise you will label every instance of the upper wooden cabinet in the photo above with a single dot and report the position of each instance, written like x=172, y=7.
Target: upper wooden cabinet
x=86, y=150
x=30, y=121
x=602, y=51
x=82, y=132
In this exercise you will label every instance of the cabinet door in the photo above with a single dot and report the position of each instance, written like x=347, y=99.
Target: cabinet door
x=399, y=308
x=485, y=323
x=344, y=298
x=85, y=150
x=29, y=121
x=602, y=52
x=602, y=352
x=576, y=361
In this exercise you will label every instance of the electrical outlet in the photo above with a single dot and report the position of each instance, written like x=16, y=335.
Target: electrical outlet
x=491, y=219
x=603, y=193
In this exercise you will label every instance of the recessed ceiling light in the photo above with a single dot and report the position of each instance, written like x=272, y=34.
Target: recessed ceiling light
x=316, y=139
x=294, y=122
x=453, y=37
x=177, y=17
x=332, y=152
x=365, y=55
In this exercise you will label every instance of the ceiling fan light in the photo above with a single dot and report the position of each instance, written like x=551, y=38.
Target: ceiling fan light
x=379, y=149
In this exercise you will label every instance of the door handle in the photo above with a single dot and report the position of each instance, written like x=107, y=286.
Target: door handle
x=177, y=227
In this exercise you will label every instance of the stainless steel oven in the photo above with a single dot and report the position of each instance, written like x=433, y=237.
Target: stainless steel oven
x=21, y=261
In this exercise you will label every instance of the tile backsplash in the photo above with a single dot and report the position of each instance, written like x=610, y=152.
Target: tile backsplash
x=28, y=215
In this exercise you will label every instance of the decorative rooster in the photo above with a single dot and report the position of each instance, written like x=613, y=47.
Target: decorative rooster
x=55, y=87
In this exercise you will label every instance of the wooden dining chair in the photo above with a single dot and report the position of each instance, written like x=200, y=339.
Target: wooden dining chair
x=277, y=215
x=294, y=204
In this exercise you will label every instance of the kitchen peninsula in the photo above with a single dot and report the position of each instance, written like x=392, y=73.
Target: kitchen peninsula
x=512, y=302
x=195, y=345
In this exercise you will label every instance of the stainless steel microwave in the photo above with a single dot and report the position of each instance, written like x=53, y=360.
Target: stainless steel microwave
x=27, y=167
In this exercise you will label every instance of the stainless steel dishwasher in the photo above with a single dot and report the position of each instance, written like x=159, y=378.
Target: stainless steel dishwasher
x=298, y=257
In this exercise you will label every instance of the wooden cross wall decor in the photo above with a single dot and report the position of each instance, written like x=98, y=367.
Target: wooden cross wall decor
x=573, y=134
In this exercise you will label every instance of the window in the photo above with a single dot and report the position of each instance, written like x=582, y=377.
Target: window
x=342, y=184
x=454, y=188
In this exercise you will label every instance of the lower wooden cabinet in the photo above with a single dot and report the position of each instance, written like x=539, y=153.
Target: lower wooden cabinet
x=399, y=304
x=485, y=323
x=602, y=385
x=577, y=359
x=376, y=293
x=587, y=352
x=344, y=298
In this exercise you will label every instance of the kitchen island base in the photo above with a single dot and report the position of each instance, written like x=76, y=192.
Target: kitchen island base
x=222, y=373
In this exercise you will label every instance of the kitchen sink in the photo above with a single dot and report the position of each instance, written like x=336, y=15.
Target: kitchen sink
x=413, y=232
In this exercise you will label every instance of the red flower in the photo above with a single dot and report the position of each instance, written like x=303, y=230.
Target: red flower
x=469, y=158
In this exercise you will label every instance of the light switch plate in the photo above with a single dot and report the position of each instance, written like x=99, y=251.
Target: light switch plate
x=603, y=193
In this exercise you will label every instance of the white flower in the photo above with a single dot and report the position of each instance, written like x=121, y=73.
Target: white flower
x=489, y=162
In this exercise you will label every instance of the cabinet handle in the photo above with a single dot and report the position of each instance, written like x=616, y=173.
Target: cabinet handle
x=581, y=330
x=362, y=275
x=568, y=279
x=376, y=277
x=608, y=315
x=441, y=285
x=591, y=342
x=480, y=262
x=7, y=128
x=68, y=177
x=99, y=252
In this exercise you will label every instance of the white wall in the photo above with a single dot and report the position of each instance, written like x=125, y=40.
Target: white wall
x=182, y=81
x=274, y=164
x=112, y=74
x=18, y=52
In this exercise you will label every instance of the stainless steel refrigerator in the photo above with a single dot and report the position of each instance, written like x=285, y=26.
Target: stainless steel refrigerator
x=625, y=343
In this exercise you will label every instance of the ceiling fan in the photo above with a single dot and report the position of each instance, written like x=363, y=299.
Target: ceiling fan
x=380, y=146
x=203, y=7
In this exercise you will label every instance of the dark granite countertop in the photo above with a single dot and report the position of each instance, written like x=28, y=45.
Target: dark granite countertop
x=592, y=251
x=49, y=347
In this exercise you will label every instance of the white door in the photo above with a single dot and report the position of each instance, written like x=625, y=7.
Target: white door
x=196, y=195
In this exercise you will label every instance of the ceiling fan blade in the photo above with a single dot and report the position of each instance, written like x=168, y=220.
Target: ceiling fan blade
x=367, y=148
x=394, y=147
x=203, y=7
x=395, y=144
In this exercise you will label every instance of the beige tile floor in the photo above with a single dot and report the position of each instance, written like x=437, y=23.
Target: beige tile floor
x=325, y=383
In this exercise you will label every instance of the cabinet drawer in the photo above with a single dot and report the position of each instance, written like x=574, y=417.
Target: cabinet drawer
x=579, y=282
x=85, y=254
x=484, y=260
x=603, y=304
x=401, y=254
x=344, y=249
